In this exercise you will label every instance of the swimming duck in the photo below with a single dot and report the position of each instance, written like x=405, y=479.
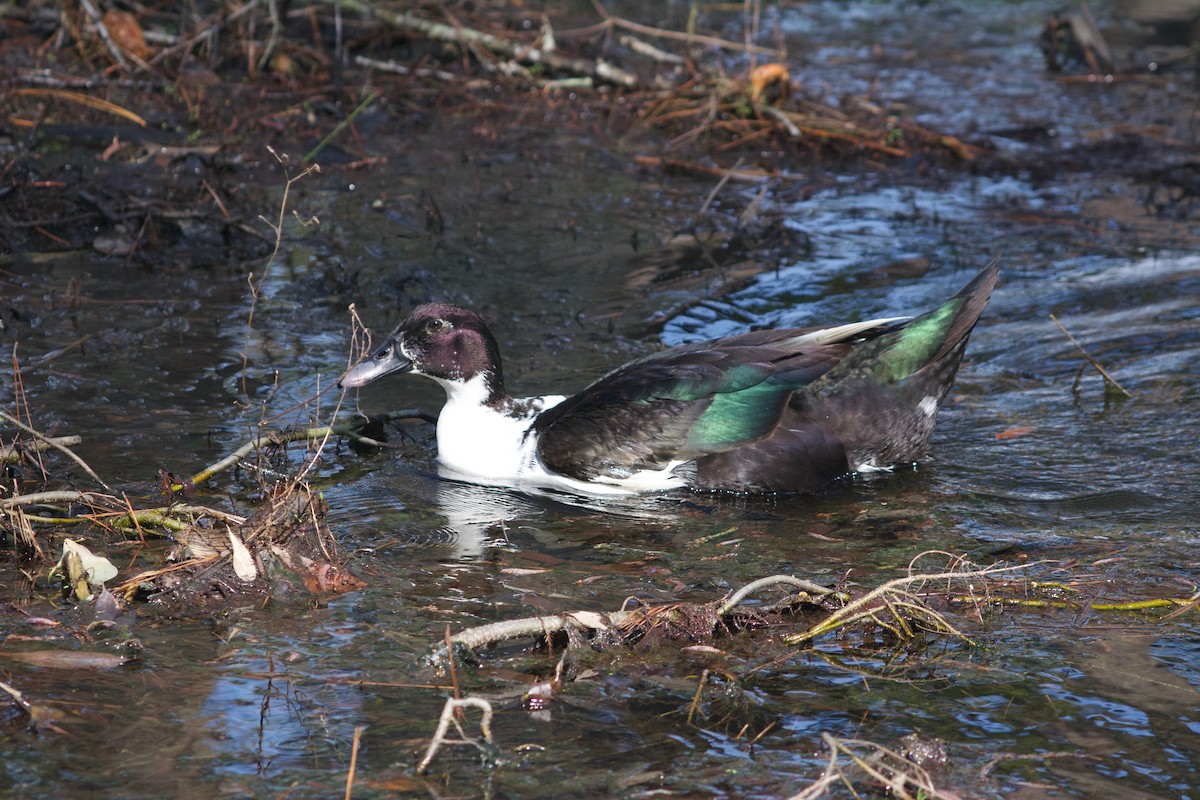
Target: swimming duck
x=781, y=410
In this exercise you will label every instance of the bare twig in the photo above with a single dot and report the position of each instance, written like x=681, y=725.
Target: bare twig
x=341, y=126
x=896, y=773
x=894, y=597
x=679, y=36
x=1109, y=379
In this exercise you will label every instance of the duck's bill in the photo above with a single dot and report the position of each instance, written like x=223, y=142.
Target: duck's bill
x=383, y=361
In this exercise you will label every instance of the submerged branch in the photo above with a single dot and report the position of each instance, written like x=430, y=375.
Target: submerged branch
x=891, y=599
x=303, y=435
x=808, y=587
x=13, y=452
x=449, y=712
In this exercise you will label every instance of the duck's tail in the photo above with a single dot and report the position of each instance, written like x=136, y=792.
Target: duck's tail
x=882, y=399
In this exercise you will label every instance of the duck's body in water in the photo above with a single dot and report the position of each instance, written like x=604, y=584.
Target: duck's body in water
x=784, y=410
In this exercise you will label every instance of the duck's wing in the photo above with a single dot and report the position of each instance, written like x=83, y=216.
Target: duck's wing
x=688, y=402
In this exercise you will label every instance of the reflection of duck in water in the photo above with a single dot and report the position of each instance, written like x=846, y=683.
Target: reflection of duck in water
x=483, y=517
x=775, y=410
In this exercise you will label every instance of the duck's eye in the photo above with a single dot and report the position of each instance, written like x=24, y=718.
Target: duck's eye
x=436, y=326
x=384, y=353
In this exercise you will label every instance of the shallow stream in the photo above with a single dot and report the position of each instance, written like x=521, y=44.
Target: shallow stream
x=569, y=250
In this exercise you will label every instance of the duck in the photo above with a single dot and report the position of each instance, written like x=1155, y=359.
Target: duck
x=780, y=410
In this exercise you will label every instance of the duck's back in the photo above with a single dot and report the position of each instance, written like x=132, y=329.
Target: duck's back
x=775, y=410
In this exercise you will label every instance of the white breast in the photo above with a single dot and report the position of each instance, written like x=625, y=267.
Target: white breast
x=479, y=444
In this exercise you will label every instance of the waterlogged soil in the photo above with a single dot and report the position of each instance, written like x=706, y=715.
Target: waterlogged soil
x=582, y=260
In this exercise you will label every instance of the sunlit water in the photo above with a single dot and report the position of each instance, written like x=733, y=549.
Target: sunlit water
x=264, y=702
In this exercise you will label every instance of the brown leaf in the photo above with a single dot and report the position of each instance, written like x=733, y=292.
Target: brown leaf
x=1014, y=433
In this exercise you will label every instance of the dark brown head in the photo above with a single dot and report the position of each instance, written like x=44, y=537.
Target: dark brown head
x=447, y=343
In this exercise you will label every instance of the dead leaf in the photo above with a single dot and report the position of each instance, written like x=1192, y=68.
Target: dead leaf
x=243, y=562
x=124, y=29
x=1015, y=433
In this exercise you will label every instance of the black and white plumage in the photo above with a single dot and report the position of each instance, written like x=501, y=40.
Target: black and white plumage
x=783, y=410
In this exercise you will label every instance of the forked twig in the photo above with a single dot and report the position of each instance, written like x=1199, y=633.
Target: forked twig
x=448, y=712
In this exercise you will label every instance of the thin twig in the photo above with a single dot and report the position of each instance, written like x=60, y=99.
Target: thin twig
x=307, y=434
x=341, y=126
x=1087, y=356
x=62, y=449
x=679, y=36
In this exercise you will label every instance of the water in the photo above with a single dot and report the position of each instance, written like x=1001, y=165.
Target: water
x=264, y=702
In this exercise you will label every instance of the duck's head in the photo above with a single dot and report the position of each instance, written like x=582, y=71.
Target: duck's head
x=449, y=344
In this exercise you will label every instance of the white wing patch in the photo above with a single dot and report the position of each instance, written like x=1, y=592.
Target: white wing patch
x=840, y=333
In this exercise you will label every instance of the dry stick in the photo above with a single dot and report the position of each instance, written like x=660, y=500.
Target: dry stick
x=517, y=51
x=50, y=441
x=1103, y=372
x=358, y=732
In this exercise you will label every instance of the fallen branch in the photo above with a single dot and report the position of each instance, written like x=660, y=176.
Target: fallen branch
x=627, y=620
x=518, y=51
x=94, y=499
